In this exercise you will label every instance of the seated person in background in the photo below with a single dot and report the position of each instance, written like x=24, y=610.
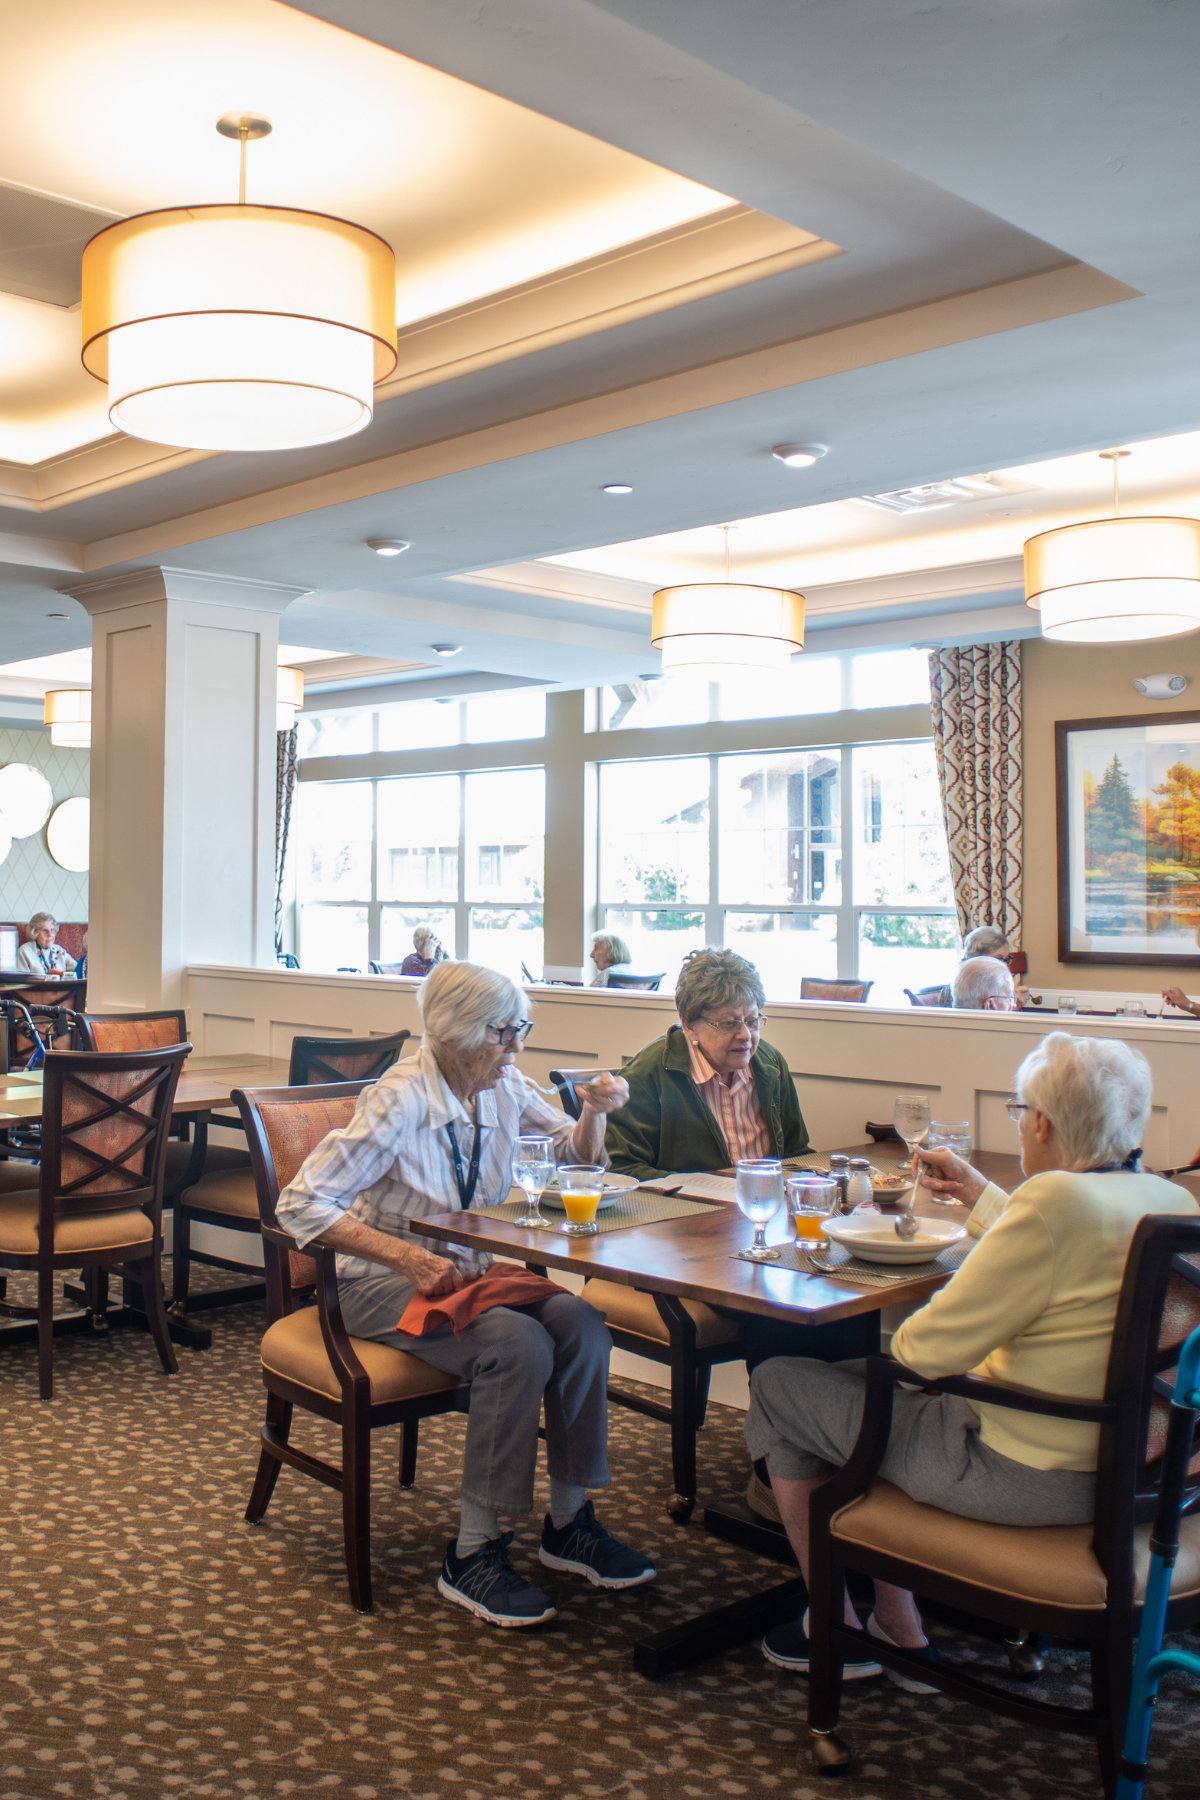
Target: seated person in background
x=1033, y=1306
x=609, y=952
x=426, y=952
x=710, y=1093
x=433, y=1135
x=1176, y=997
x=40, y=955
x=81, y=965
x=986, y=940
x=984, y=985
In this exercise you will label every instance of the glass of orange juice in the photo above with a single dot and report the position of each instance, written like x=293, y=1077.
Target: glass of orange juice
x=810, y=1202
x=580, y=1186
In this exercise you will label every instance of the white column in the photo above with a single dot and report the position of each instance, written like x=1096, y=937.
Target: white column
x=183, y=779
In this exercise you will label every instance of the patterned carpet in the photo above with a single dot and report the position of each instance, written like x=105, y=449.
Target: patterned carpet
x=152, y=1643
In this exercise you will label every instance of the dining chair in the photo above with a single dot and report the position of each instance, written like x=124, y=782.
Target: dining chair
x=811, y=988
x=98, y=1204
x=308, y=1357
x=618, y=979
x=228, y=1197
x=1085, y=1583
x=931, y=996
x=685, y=1336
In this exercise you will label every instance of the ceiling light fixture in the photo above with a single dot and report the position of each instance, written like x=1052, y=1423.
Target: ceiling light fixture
x=799, y=456
x=388, y=546
x=617, y=487
x=225, y=327
x=68, y=713
x=712, y=629
x=446, y=649
x=1111, y=581
x=289, y=697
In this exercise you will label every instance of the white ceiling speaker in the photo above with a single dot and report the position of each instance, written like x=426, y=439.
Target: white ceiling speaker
x=69, y=835
x=388, y=546
x=1160, y=687
x=239, y=327
x=25, y=799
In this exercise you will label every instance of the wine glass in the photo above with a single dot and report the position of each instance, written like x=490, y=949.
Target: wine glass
x=533, y=1171
x=910, y=1116
x=758, y=1189
x=949, y=1134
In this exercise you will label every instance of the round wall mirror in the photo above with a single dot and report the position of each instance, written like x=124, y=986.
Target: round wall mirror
x=69, y=834
x=25, y=799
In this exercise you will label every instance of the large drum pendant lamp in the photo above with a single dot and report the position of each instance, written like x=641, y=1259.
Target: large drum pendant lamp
x=1112, y=581
x=240, y=327
x=712, y=630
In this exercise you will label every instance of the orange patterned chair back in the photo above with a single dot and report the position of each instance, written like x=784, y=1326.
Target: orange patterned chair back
x=105, y=1121
x=133, y=1031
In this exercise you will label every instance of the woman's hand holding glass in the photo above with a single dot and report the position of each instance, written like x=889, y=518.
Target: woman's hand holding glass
x=950, y=1177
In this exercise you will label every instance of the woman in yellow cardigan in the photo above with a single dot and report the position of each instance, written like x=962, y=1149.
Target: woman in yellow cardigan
x=1033, y=1306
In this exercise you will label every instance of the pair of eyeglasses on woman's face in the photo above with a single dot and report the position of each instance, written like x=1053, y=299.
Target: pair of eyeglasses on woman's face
x=1014, y=1108
x=508, y=1035
x=729, y=1026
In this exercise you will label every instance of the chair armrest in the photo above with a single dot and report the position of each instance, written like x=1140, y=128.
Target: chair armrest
x=336, y=1338
x=1018, y=1399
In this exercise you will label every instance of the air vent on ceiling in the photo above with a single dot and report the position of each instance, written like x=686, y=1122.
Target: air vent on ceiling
x=41, y=243
x=935, y=495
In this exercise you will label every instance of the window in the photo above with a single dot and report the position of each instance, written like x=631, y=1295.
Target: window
x=815, y=682
x=424, y=724
x=333, y=873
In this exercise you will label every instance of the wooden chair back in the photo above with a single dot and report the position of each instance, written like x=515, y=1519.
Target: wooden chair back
x=930, y=996
x=618, y=979
x=105, y=1121
x=811, y=988
x=565, y=1080
x=316, y=1060
x=132, y=1031
x=283, y=1127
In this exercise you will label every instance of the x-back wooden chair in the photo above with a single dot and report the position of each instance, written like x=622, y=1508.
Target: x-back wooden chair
x=308, y=1357
x=228, y=1197
x=1083, y=1582
x=98, y=1204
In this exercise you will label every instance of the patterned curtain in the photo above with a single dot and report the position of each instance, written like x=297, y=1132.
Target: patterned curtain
x=976, y=709
x=285, y=787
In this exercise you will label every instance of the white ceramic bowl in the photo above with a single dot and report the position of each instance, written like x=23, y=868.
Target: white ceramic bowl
x=873, y=1237
x=614, y=1187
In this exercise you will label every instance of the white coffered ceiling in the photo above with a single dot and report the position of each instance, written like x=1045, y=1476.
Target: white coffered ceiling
x=639, y=241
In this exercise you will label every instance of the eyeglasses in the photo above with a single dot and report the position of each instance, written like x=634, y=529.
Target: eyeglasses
x=730, y=1027
x=1014, y=1108
x=508, y=1035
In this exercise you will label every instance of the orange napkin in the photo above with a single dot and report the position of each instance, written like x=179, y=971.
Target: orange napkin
x=423, y=1314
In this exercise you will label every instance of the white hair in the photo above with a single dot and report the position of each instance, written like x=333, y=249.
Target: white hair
x=459, y=1000
x=985, y=940
x=1095, y=1093
x=981, y=978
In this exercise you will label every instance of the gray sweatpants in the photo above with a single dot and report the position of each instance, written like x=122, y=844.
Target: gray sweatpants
x=804, y=1417
x=512, y=1358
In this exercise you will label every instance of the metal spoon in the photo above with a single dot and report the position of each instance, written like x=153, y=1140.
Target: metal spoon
x=907, y=1224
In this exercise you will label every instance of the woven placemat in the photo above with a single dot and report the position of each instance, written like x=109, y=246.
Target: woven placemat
x=837, y=1264
x=637, y=1208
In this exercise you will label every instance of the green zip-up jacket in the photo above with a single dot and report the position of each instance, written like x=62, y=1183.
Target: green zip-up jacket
x=668, y=1126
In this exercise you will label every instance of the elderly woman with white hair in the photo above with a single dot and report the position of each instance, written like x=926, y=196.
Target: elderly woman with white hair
x=425, y=954
x=434, y=1134
x=1033, y=1306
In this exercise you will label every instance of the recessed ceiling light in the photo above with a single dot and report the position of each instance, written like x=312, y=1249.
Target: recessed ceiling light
x=799, y=456
x=617, y=487
x=56, y=615
x=446, y=649
x=387, y=546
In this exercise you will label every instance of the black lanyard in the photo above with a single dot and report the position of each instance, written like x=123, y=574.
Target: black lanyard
x=1131, y=1166
x=466, y=1189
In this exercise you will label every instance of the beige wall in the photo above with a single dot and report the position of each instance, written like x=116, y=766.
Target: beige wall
x=1084, y=681
x=30, y=879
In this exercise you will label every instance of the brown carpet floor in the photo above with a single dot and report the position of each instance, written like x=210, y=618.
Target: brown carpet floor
x=152, y=1643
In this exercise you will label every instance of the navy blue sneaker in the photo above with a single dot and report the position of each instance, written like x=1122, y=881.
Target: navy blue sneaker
x=786, y=1646
x=488, y=1586
x=584, y=1548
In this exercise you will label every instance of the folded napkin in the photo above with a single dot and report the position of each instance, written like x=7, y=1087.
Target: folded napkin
x=461, y=1309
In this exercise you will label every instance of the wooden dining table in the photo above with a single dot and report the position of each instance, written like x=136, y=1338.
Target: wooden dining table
x=695, y=1258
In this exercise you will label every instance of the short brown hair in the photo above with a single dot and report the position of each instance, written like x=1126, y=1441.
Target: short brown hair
x=711, y=978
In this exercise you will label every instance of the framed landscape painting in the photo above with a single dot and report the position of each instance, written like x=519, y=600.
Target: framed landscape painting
x=1129, y=839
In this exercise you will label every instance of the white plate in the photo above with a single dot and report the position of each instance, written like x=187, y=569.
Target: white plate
x=614, y=1187
x=875, y=1240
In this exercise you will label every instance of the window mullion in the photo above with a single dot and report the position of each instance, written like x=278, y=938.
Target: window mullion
x=714, y=924
x=847, y=928
x=461, y=930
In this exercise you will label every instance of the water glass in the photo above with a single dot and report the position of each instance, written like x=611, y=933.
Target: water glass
x=533, y=1171
x=580, y=1186
x=810, y=1202
x=758, y=1189
x=949, y=1134
x=910, y=1116
x=1067, y=1003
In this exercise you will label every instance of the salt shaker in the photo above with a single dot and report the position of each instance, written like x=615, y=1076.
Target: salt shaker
x=859, y=1188
x=839, y=1171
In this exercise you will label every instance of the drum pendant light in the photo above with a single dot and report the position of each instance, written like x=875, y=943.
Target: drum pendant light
x=1110, y=581
x=712, y=630
x=239, y=327
x=68, y=713
x=289, y=697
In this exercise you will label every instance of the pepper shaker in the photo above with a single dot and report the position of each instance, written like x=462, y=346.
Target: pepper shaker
x=839, y=1171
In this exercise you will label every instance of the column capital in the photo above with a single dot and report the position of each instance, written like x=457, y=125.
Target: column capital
x=143, y=587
